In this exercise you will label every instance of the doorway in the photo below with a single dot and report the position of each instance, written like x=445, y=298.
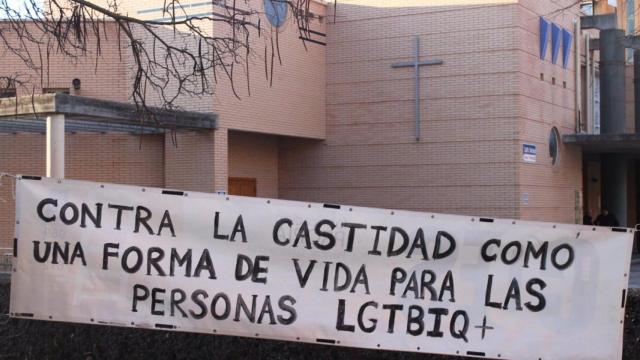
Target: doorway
x=243, y=186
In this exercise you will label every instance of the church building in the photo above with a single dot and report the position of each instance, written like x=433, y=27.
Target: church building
x=476, y=107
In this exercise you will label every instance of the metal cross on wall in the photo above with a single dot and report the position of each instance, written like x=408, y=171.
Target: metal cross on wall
x=416, y=64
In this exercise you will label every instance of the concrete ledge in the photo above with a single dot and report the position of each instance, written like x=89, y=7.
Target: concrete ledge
x=600, y=22
x=101, y=111
x=605, y=143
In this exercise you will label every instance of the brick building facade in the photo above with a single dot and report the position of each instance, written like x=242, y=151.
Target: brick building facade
x=338, y=125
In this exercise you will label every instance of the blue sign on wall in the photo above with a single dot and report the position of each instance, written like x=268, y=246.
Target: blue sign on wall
x=566, y=47
x=529, y=153
x=555, y=42
x=560, y=37
x=545, y=26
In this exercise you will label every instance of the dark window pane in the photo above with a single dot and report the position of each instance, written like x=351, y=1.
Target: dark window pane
x=554, y=142
x=7, y=93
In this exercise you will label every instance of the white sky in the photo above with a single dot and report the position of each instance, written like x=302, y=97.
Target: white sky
x=17, y=4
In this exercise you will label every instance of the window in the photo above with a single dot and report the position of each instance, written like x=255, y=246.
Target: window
x=586, y=7
x=554, y=145
x=7, y=93
x=55, y=90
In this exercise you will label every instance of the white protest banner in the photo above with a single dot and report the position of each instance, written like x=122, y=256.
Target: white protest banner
x=318, y=273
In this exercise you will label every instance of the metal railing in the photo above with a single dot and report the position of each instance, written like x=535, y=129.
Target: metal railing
x=6, y=256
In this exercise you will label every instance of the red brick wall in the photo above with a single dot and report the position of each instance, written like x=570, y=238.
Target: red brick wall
x=478, y=108
x=551, y=190
x=101, y=76
x=189, y=161
x=113, y=158
x=294, y=103
x=255, y=156
x=466, y=161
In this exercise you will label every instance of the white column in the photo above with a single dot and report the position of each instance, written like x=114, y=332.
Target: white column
x=55, y=146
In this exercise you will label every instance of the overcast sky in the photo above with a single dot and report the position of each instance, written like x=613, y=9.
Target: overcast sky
x=16, y=4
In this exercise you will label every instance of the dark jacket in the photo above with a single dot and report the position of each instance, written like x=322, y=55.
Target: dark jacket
x=606, y=220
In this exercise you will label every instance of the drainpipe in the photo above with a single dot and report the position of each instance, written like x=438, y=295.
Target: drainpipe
x=578, y=72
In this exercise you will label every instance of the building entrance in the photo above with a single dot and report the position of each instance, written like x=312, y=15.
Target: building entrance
x=243, y=186
x=601, y=188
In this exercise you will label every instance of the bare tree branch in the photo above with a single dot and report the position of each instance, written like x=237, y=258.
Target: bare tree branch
x=179, y=55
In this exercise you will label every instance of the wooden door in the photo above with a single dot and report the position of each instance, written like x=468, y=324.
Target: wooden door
x=242, y=186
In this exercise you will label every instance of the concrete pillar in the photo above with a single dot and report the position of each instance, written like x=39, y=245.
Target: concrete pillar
x=612, y=114
x=612, y=81
x=221, y=160
x=55, y=146
x=614, y=185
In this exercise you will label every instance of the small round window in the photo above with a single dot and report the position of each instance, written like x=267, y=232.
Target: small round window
x=276, y=12
x=554, y=146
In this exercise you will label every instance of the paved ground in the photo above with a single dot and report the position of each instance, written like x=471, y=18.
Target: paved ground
x=634, y=281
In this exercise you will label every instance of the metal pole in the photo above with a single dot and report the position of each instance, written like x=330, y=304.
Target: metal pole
x=578, y=72
x=417, y=92
x=55, y=146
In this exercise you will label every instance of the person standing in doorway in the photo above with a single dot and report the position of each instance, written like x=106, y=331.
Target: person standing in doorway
x=587, y=219
x=606, y=219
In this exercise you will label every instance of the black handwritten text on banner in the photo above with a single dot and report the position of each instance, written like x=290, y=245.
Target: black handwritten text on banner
x=382, y=279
